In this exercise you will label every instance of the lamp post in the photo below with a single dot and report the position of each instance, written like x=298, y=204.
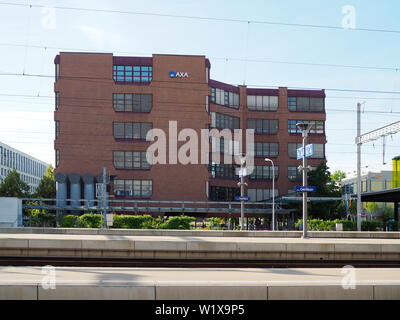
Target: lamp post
x=273, y=193
x=242, y=183
x=305, y=129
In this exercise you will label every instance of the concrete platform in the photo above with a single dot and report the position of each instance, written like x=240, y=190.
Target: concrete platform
x=197, y=284
x=204, y=233
x=195, y=247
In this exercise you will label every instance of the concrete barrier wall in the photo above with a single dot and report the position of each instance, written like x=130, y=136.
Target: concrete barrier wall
x=204, y=233
x=178, y=247
x=175, y=291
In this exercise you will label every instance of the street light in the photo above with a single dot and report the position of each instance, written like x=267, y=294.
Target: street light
x=242, y=158
x=273, y=193
x=305, y=129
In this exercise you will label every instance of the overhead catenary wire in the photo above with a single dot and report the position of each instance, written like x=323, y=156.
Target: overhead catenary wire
x=110, y=80
x=68, y=100
x=225, y=59
x=203, y=18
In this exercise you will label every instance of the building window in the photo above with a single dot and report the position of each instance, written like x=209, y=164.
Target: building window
x=223, y=121
x=57, y=128
x=317, y=127
x=264, y=173
x=292, y=149
x=57, y=157
x=306, y=104
x=133, y=188
x=131, y=130
x=132, y=102
x=222, y=170
x=319, y=151
x=264, y=149
x=262, y=103
x=263, y=126
x=133, y=74
x=131, y=160
x=261, y=194
x=348, y=189
x=223, y=193
x=225, y=98
x=292, y=102
x=220, y=145
x=57, y=72
x=57, y=102
x=294, y=174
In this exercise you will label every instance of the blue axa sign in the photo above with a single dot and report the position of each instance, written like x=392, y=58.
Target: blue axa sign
x=173, y=74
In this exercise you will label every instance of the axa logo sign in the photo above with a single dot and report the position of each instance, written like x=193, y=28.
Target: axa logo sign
x=173, y=74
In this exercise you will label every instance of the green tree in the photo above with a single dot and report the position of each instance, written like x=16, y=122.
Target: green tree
x=337, y=177
x=326, y=187
x=14, y=186
x=372, y=207
x=47, y=186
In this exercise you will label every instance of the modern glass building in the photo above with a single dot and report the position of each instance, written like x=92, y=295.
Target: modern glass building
x=30, y=169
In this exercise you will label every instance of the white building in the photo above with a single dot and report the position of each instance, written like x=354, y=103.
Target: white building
x=30, y=169
x=370, y=182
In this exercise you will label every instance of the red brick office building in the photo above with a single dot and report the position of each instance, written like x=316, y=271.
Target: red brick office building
x=105, y=105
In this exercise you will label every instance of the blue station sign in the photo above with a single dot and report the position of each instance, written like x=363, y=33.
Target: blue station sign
x=305, y=189
x=309, y=151
x=238, y=198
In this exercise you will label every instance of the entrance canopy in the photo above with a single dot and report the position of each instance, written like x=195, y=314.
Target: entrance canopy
x=390, y=195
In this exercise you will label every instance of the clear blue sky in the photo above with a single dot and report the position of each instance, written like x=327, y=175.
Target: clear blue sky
x=27, y=123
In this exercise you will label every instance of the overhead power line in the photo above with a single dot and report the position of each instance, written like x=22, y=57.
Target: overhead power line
x=257, y=60
x=107, y=80
x=202, y=18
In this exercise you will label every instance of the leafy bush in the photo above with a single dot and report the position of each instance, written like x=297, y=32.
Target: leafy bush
x=39, y=218
x=153, y=223
x=179, y=222
x=372, y=225
x=216, y=223
x=349, y=225
x=327, y=225
x=69, y=221
x=89, y=220
x=133, y=222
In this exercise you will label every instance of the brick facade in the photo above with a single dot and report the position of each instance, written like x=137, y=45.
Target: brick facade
x=86, y=115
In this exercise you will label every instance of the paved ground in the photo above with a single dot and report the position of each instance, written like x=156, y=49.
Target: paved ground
x=202, y=233
x=126, y=276
x=199, y=238
x=180, y=283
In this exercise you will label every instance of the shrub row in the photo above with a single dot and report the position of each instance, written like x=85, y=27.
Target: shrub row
x=348, y=225
x=90, y=220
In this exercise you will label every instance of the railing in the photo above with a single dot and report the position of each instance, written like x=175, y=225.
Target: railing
x=150, y=206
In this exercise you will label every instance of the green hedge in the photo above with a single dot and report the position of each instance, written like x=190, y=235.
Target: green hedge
x=132, y=222
x=41, y=219
x=179, y=222
x=372, y=225
x=348, y=225
x=216, y=223
x=90, y=220
x=69, y=221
